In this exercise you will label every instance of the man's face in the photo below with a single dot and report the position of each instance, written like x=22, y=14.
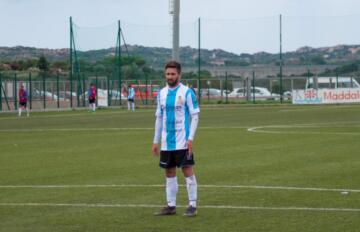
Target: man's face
x=172, y=77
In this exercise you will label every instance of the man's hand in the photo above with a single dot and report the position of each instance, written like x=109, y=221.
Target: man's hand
x=155, y=150
x=190, y=146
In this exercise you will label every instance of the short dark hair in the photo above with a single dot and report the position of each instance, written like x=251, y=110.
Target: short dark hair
x=173, y=64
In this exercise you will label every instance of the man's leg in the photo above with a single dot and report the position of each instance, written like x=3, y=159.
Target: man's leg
x=171, y=191
x=191, y=186
x=171, y=186
x=133, y=106
x=20, y=107
x=27, y=111
x=128, y=103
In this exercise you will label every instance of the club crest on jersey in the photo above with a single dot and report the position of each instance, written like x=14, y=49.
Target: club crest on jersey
x=179, y=101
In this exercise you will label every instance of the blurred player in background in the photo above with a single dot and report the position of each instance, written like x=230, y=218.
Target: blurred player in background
x=23, y=95
x=131, y=98
x=92, y=97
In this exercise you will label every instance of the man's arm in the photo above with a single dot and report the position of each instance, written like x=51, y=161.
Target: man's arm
x=193, y=127
x=157, y=135
x=158, y=127
x=194, y=110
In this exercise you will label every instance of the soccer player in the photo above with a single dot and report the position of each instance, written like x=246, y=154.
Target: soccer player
x=131, y=98
x=175, y=104
x=92, y=97
x=23, y=101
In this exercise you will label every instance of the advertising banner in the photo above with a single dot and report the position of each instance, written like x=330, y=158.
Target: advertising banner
x=326, y=96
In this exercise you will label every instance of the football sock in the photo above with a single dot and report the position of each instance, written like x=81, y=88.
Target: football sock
x=191, y=186
x=171, y=190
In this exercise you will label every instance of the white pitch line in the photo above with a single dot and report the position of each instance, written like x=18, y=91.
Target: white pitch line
x=101, y=205
x=256, y=129
x=78, y=129
x=60, y=114
x=262, y=129
x=200, y=186
x=108, y=129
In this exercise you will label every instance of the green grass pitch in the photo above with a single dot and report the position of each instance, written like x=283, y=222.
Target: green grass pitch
x=259, y=168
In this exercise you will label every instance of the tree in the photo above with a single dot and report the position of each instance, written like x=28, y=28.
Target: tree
x=43, y=63
x=319, y=60
x=348, y=68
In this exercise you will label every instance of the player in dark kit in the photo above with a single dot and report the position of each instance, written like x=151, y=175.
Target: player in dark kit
x=92, y=97
x=23, y=101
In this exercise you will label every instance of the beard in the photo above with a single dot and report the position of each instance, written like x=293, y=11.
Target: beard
x=172, y=82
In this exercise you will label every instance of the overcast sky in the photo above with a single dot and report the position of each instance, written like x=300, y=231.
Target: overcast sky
x=234, y=25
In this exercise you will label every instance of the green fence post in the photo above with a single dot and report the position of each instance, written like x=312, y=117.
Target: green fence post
x=208, y=90
x=337, y=79
x=71, y=64
x=108, y=90
x=71, y=91
x=83, y=89
x=139, y=91
x=15, y=91
x=253, y=86
x=226, y=89
x=0, y=93
x=281, y=63
x=57, y=90
x=151, y=91
x=96, y=88
x=30, y=91
x=78, y=89
x=44, y=88
x=146, y=89
x=199, y=59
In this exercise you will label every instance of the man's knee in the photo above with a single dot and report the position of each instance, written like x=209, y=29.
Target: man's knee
x=170, y=172
x=188, y=171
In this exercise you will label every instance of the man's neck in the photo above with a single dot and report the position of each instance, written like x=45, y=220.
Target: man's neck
x=174, y=87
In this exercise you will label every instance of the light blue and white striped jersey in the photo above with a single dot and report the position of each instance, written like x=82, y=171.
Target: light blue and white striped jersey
x=175, y=107
x=131, y=93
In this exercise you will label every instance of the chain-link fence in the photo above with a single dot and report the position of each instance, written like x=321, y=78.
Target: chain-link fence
x=57, y=93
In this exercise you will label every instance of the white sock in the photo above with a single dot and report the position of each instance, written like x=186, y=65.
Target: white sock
x=171, y=190
x=133, y=106
x=19, y=111
x=191, y=186
x=93, y=107
x=128, y=105
x=27, y=112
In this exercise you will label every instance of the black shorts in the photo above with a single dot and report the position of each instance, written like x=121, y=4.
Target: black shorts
x=130, y=99
x=177, y=158
x=91, y=100
x=23, y=104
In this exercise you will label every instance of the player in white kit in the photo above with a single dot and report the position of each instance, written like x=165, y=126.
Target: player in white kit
x=176, y=106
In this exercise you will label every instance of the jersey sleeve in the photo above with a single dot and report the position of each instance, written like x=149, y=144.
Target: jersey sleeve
x=159, y=111
x=191, y=102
